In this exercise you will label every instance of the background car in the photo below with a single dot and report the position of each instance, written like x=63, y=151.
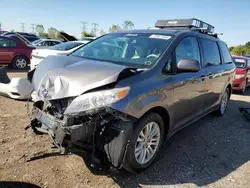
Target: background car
x=45, y=42
x=2, y=32
x=241, y=79
x=30, y=37
x=14, y=52
x=61, y=49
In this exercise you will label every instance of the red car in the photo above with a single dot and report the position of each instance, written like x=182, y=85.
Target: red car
x=14, y=52
x=242, y=75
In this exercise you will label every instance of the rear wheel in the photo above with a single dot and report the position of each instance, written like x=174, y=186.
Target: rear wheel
x=145, y=143
x=242, y=91
x=223, y=104
x=20, y=62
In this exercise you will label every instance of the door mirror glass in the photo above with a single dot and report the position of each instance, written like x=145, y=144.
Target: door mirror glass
x=188, y=65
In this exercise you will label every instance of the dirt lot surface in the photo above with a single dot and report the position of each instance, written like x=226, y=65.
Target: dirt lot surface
x=213, y=152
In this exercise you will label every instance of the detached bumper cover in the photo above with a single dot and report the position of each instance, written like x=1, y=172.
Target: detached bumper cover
x=16, y=88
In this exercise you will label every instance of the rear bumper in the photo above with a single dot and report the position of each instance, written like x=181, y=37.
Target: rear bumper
x=238, y=84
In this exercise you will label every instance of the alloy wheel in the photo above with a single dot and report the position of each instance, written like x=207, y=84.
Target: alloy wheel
x=147, y=143
x=224, y=102
x=21, y=63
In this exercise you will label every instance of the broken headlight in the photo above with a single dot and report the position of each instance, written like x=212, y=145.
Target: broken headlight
x=93, y=100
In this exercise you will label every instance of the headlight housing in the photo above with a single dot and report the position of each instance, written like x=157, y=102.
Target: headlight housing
x=237, y=76
x=93, y=100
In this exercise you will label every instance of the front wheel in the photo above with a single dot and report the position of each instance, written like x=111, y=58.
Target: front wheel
x=145, y=143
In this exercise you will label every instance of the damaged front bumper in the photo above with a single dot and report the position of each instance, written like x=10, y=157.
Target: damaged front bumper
x=105, y=132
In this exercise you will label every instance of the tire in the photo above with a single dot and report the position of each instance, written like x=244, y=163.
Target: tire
x=135, y=163
x=242, y=91
x=20, y=62
x=224, y=101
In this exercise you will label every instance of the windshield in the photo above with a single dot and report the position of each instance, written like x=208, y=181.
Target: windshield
x=36, y=41
x=239, y=63
x=138, y=50
x=65, y=46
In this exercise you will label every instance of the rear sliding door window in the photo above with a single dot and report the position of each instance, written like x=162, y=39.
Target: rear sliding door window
x=225, y=53
x=210, y=51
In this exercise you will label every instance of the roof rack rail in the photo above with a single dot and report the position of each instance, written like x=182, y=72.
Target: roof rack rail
x=190, y=24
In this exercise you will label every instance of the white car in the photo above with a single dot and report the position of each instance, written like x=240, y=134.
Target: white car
x=66, y=48
x=45, y=43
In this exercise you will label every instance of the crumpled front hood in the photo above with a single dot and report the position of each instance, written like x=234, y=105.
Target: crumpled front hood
x=67, y=76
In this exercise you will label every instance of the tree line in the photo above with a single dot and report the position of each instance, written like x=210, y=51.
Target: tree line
x=240, y=49
x=127, y=24
x=54, y=33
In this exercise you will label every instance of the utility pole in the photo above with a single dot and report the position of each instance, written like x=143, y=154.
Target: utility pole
x=33, y=28
x=22, y=26
x=84, y=26
x=94, y=28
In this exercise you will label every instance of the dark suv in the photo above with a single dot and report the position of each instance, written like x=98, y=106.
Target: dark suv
x=121, y=95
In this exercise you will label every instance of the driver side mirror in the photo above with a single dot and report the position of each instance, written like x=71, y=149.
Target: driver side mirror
x=188, y=65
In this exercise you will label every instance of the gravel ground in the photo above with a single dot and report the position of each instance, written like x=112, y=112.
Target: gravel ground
x=213, y=152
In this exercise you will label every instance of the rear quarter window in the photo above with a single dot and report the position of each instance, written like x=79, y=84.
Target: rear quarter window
x=210, y=51
x=227, y=58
